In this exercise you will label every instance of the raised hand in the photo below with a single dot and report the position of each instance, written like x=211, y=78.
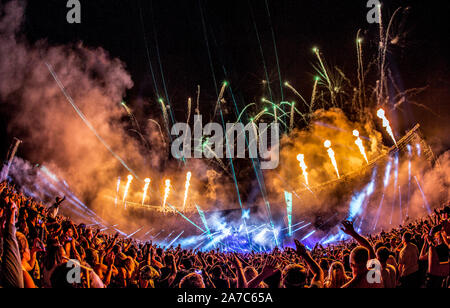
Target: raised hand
x=348, y=227
x=301, y=249
x=270, y=267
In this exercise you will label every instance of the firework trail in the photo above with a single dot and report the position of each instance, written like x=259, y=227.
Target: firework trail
x=325, y=73
x=165, y=114
x=291, y=126
x=219, y=99
x=160, y=131
x=361, y=77
x=147, y=184
x=301, y=159
x=314, y=93
x=382, y=115
x=332, y=155
x=127, y=187
x=186, y=191
x=197, y=110
x=289, y=86
x=85, y=120
x=360, y=145
x=117, y=191
x=166, y=194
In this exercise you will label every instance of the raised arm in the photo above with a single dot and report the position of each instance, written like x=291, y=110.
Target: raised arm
x=269, y=269
x=348, y=229
x=11, y=268
x=315, y=268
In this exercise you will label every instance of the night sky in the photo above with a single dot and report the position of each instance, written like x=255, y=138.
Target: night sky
x=420, y=59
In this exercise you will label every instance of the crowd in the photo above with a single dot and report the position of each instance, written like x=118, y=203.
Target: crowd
x=41, y=249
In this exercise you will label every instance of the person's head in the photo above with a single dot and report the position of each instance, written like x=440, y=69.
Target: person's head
x=92, y=257
x=324, y=264
x=217, y=272
x=187, y=263
x=336, y=275
x=68, y=232
x=294, y=276
x=23, y=227
x=23, y=246
x=383, y=255
x=192, y=281
x=33, y=216
x=89, y=233
x=407, y=236
x=129, y=264
x=358, y=260
x=168, y=260
x=117, y=249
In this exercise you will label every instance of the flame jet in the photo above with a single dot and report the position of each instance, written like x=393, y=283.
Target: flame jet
x=301, y=159
x=166, y=194
x=147, y=184
x=186, y=191
x=382, y=115
x=332, y=155
x=127, y=187
x=360, y=145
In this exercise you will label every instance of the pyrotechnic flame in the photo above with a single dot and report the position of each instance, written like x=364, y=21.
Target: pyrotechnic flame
x=127, y=187
x=166, y=194
x=360, y=145
x=117, y=191
x=301, y=159
x=147, y=184
x=188, y=183
x=332, y=155
x=382, y=115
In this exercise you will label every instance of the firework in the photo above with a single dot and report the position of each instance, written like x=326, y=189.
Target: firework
x=147, y=184
x=117, y=191
x=288, y=85
x=314, y=93
x=127, y=187
x=382, y=115
x=188, y=183
x=166, y=194
x=332, y=155
x=301, y=159
x=360, y=145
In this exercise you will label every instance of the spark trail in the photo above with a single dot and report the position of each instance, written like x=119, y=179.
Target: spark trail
x=166, y=194
x=301, y=159
x=360, y=145
x=85, y=120
x=188, y=183
x=332, y=155
x=382, y=115
x=147, y=184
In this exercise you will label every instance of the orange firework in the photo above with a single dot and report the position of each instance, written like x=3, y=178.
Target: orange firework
x=188, y=183
x=360, y=145
x=382, y=115
x=301, y=159
x=127, y=187
x=147, y=184
x=332, y=155
x=166, y=194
